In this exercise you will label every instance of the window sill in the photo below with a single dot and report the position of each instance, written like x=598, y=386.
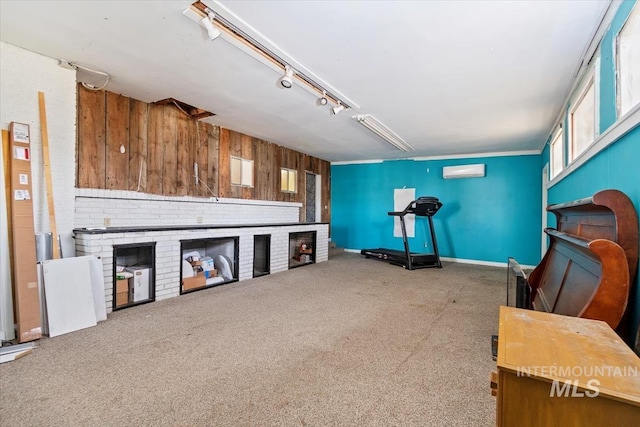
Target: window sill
x=611, y=135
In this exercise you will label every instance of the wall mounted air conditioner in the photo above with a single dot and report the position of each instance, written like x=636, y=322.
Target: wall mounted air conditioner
x=463, y=171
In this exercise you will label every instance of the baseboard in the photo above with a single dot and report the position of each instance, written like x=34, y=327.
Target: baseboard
x=479, y=262
x=464, y=261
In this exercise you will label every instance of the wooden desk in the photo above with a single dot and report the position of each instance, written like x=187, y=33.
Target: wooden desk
x=540, y=354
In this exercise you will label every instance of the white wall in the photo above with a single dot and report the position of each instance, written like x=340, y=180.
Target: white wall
x=24, y=74
x=169, y=256
x=116, y=208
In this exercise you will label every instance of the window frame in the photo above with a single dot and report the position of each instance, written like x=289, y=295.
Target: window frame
x=591, y=81
x=604, y=137
x=558, y=138
x=245, y=165
x=618, y=74
x=295, y=181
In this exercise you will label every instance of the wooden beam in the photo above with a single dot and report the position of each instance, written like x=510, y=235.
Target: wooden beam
x=6, y=154
x=47, y=174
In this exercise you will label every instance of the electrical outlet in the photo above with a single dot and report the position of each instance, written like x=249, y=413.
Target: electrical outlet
x=107, y=221
x=199, y=219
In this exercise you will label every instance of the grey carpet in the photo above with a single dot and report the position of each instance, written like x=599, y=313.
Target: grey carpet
x=350, y=341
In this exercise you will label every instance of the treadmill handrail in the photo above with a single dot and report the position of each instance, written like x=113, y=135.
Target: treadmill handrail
x=410, y=209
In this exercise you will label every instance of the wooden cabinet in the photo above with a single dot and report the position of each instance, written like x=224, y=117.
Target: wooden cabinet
x=557, y=370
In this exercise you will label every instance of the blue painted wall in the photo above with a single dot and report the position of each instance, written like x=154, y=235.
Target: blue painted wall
x=487, y=219
x=615, y=167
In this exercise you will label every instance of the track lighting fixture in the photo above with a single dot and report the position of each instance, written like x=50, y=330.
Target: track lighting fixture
x=286, y=81
x=337, y=109
x=207, y=23
x=219, y=26
x=323, y=99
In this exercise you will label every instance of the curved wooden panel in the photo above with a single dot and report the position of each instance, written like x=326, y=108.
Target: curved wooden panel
x=610, y=299
x=582, y=278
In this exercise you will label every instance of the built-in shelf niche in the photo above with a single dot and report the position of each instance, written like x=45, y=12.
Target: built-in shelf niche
x=133, y=274
x=302, y=248
x=261, y=254
x=223, y=253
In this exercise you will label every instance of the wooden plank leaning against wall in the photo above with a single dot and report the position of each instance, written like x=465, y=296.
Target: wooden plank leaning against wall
x=161, y=145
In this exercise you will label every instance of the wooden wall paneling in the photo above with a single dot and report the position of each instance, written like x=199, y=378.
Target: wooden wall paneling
x=91, y=149
x=278, y=162
x=197, y=134
x=185, y=183
x=259, y=179
x=275, y=161
x=235, y=149
x=247, y=153
x=326, y=191
x=262, y=170
x=286, y=163
x=155, y=150
x=298, y=196
x=301, y=194
x=170, y=145
x=213, y=152
x=224, y=158
x=162, y=144
x=291, y=164
x=138, y=134
x=117, y=164
x=272, y=169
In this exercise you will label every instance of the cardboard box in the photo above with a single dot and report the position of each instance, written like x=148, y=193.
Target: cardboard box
x=210, y=273
x=207, y=263
x=122, y=285
x=122, y=298
x=22, y=236
x=194, y=282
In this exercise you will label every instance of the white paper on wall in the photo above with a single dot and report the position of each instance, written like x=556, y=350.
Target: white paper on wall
x=401, y=198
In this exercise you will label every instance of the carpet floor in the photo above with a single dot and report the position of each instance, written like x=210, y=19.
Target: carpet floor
x=346, y=342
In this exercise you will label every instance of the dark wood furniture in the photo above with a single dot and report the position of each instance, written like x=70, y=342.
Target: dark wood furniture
x=591, y=261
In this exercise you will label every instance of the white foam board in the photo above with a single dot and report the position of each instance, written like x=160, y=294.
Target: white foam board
x=67, y=287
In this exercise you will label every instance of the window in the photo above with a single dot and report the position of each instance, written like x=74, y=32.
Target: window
x=288, y=180
x=557, y=150
x=628, y=63
x=241, y=172
x=582, y=120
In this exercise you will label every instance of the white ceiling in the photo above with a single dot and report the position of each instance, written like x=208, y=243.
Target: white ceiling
x=449, y=77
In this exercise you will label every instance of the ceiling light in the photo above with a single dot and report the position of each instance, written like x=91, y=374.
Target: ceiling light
x=286, y=81
x=323, y=99
x=375, y=126
x=207, y=23
x=337, y=109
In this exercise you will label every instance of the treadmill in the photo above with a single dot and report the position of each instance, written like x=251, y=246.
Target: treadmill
x=422, y=206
